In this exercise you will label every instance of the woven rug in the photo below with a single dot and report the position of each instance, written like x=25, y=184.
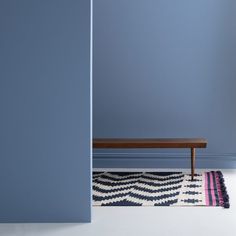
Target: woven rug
x=159, y=189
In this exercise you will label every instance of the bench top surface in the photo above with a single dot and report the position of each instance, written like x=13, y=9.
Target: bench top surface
x=150, y=143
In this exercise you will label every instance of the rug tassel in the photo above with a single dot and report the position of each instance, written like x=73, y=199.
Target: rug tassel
x=225, y=196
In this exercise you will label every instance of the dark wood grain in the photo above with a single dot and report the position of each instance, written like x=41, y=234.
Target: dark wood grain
x=150, y=143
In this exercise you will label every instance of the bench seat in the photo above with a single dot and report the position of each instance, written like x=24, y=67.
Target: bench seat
x=150, y=143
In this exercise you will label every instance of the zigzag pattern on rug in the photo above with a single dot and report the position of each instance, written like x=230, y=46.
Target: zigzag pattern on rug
x=156, y=189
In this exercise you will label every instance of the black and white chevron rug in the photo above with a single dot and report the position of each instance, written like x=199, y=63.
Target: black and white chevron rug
x=159, y=189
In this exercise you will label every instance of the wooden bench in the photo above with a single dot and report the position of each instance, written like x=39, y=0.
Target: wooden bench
x=191, y=143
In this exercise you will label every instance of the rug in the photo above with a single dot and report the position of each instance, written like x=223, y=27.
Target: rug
x=159, y=189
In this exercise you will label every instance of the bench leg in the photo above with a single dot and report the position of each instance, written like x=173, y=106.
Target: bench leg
x=192, y=162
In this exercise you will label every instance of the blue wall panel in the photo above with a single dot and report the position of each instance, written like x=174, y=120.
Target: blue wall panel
x=166, y=68
x=45, y=154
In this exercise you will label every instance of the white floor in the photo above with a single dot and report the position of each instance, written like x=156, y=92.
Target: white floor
x=135, y=221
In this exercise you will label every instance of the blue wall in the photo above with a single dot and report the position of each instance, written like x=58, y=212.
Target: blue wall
x=165, y=68
x=45, y=111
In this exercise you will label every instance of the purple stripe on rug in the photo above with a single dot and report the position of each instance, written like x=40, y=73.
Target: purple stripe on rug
x=212, y=189
x=206, y=189
x=215, y=188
